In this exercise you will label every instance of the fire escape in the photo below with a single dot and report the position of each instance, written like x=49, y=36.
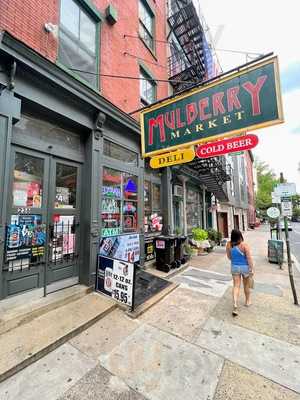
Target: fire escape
x=187, y=63
x=213, y=173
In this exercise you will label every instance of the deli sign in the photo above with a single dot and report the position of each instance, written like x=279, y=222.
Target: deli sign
x=226, y=146
x=247, y=100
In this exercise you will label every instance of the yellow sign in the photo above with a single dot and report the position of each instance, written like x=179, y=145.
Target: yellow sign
x=173, y=158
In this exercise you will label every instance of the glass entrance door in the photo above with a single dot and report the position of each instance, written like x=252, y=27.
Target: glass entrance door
x=64, y=223
x=42, y=229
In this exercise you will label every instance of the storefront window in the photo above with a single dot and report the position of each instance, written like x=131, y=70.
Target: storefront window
x=192, y=209
x=147, y=197
x=152, y=207
x=156, y=197
x=120, y=153
x=66, y=180
x=119, y=202
x=111, y=202
x=28, y=181
x=130, y=192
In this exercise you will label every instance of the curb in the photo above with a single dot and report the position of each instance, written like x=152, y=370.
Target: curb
x=152, y=301
x=295, y=262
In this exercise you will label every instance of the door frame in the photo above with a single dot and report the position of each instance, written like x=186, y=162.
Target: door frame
x=40, y=270
x=54, y=160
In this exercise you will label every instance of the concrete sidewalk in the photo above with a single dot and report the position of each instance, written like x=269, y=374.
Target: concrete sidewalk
x=187, y=346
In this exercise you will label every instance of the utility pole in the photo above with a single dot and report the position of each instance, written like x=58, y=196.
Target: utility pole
x=288, y=249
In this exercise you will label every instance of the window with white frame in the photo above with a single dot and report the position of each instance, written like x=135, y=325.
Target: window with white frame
x=147, y=88
x=146, y=24
x=78, y=41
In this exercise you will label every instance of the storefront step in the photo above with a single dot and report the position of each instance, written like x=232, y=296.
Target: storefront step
x=27, y=343
x=21, y=309
x=142, y=308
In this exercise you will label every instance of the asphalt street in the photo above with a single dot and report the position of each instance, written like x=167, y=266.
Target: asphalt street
x=295, y=239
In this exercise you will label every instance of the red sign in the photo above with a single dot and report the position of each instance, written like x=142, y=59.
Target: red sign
x=220, y=147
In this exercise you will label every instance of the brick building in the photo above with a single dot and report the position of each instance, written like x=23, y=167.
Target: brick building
x=250, y=188
x=70, y=164
x=118, y=46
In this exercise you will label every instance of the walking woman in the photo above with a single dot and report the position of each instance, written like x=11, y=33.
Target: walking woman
x=238, y=253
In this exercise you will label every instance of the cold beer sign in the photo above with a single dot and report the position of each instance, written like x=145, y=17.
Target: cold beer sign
x=246, y=100
x=232, y=145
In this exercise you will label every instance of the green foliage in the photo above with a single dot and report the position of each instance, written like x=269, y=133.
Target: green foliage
x=178, y=231
x=266, y=181
x=214, y=235
x=188, y=250
x=296, y=212
x=199, y=234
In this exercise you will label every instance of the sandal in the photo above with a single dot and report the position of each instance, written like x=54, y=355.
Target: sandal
x=235, y=311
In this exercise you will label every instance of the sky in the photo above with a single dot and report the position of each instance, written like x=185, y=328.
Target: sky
x=263, y=26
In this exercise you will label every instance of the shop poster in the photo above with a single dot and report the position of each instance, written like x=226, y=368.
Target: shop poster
x=123, y=247
x=25, y=237
x=63, y=242
x=115, y=279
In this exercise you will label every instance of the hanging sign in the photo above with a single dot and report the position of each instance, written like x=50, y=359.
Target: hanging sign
x=246, y=100
x=221, y=147
x=176, y=157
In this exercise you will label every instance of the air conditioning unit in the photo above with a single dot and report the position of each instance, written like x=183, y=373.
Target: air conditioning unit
x=178, y=191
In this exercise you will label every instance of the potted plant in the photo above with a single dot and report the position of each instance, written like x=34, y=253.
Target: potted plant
x=199, y=239
x=214, y=238
x=188, y=251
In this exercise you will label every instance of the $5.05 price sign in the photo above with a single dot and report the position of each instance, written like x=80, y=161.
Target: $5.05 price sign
x=122, y=282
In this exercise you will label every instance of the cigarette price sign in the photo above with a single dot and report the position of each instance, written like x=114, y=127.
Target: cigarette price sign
x=122, y=284
x=115, y=278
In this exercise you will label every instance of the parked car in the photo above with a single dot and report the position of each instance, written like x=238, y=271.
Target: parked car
x=289, y=226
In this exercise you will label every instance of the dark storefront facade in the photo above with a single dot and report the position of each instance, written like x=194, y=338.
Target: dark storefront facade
x=74, y=183
x=71, y=173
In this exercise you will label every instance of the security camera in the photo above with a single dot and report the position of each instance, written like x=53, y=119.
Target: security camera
x=51, y=28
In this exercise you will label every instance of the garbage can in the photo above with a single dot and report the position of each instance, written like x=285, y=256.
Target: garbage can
x=165, y=253
x=179, y=253
x=275, y=251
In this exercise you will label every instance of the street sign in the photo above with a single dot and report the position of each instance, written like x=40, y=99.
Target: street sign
x=286, y=208
x=276, y=199
x=245, y=100
x=273, y=212
x=173, y=158
x=221, y=147
x=285, y=189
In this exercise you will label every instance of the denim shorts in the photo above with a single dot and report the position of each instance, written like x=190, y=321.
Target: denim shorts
x=240, y=270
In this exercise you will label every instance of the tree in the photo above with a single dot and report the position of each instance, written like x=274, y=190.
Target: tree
x=266, y=182
x=296, y=207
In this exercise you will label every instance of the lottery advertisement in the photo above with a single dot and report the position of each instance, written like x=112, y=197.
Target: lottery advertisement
x=124, y=247
x=25, y=237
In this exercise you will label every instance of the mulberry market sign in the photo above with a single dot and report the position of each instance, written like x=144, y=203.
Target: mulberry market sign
x=232, y=145
x=247, y=100
x=175, y=157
